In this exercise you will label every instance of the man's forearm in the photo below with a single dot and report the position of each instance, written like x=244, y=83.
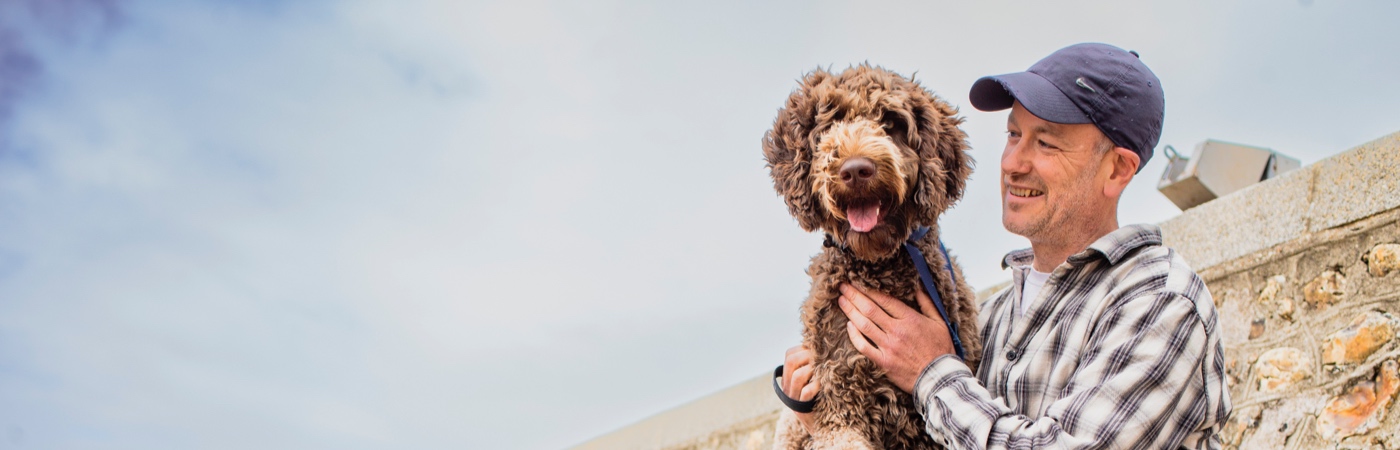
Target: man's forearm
x=1139, y=387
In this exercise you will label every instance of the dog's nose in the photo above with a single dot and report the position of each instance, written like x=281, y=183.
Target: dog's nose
x=856, y=170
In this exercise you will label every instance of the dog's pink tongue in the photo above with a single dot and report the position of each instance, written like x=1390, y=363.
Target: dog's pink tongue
x=863, y=218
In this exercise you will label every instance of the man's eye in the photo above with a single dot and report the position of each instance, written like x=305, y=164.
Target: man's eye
x=1042, y=143
x=1012, y=134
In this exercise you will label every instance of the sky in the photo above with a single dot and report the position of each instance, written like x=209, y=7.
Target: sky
x=523, y=224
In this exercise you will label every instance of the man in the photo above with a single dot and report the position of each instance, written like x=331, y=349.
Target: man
x=1105, y=338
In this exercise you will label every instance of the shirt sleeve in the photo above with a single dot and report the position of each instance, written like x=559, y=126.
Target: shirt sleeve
x=1138, y=384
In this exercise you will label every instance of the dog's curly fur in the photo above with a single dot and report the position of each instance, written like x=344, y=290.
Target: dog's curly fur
x=921, y=167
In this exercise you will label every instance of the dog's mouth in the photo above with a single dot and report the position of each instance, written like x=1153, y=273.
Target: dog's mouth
x=865, y=214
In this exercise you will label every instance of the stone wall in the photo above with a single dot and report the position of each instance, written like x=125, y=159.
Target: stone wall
x=1308, y=316
x=1305, y=271
x=1310, y=340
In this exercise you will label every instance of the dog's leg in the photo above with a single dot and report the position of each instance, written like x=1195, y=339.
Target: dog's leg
x=790, y=435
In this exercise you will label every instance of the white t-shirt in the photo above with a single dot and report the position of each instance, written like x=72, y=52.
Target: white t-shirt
x=1031, y=289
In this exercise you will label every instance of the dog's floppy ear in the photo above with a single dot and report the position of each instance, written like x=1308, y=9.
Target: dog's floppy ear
x=944, y=164
x=788, y=148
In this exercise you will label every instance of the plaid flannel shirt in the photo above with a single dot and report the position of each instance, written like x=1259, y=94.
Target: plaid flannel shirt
x=1119, y=350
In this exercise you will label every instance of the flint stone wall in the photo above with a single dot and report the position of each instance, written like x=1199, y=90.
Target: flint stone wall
x=1305, y=271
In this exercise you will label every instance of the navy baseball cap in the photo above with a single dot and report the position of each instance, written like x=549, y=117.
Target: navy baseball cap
x=1086, y=83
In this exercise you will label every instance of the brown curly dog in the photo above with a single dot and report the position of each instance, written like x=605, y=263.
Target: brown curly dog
x=867, y=156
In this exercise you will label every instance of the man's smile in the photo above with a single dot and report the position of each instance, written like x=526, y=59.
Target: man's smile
x=1023, y=192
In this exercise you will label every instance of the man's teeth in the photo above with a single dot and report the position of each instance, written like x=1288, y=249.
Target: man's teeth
x=1024, y=192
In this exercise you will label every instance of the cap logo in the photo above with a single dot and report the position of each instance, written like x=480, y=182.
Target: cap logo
x=1080, y=81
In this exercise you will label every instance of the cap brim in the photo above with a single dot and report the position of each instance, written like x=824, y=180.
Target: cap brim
x=1035, y=93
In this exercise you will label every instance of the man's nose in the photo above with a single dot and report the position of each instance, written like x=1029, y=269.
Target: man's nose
x=1014, y=159
x=857, y=170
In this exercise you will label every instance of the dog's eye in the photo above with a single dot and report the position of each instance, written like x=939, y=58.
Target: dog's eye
x=894, y=125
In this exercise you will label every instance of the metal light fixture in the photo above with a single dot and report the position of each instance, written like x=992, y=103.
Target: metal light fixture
x=1216, y=169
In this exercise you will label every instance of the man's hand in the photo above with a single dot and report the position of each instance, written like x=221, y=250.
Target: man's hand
x=904, y=341
x=798, y=382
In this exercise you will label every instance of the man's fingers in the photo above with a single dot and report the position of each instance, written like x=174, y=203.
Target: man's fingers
x=789, y=375
x=797, y=356
x=800, y=378
x=788, y=370
x=864, y=324
x=889, y=306
x=896, y=309
x=810, y=391
x=794, y=376
x=860, y=305
x=861, y=344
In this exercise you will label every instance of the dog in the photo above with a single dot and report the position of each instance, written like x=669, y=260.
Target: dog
x=868, y=157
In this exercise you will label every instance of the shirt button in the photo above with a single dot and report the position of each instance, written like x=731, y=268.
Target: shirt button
x=1011, y=355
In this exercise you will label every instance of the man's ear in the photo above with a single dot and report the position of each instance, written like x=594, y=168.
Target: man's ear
x=1124, y=164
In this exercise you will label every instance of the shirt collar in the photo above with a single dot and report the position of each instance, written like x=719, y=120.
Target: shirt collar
x=1113, y=246
x=1018, y=258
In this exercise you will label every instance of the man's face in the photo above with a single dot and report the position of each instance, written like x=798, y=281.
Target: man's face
x=1052, y=176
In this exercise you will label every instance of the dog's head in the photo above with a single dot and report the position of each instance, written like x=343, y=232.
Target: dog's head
x=866, y=156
